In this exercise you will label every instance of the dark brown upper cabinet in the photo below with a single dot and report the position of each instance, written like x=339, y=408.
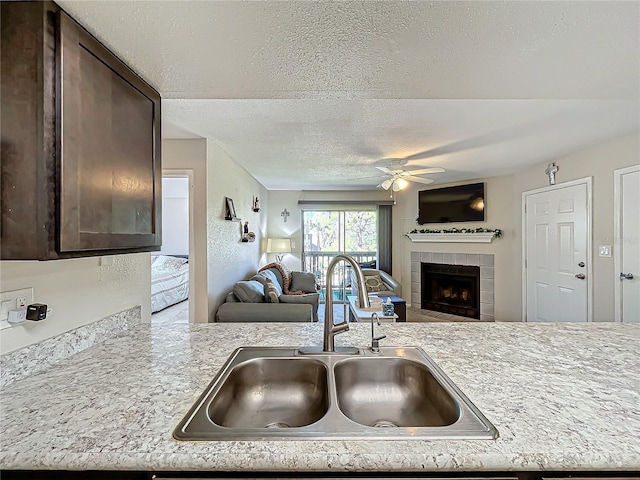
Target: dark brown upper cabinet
x=81, y=168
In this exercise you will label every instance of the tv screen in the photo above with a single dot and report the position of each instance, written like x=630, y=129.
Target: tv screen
x=462, y=203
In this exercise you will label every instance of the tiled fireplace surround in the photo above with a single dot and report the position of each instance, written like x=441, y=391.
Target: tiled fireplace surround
x=484, y=261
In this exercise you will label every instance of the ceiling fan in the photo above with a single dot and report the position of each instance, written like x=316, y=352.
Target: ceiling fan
x=399, y=179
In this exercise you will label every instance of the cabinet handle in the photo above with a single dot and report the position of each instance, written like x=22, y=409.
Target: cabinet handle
x=628, y=276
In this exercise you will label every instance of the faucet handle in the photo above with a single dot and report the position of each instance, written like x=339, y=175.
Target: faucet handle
x=340, y=327
x=375, y=344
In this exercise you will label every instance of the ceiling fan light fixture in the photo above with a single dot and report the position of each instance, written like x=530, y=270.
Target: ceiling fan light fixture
x=386, y=184
x=401, y=183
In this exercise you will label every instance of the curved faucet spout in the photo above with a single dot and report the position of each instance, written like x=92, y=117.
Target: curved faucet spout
x=331, y=330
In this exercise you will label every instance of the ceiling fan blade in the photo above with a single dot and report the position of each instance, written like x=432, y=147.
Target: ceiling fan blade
x=422, y=171
x=411, y=178
x=364, y=178
x=389, y=172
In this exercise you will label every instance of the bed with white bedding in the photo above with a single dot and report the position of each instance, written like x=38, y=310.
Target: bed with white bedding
x=169, y=281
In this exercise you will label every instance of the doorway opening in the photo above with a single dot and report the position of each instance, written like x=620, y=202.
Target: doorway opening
x=172, y=279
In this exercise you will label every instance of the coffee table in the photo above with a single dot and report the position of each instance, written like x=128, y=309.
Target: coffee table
x=357, y=315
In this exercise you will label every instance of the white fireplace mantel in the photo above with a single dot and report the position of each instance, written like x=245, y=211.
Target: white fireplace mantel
x=480, y=237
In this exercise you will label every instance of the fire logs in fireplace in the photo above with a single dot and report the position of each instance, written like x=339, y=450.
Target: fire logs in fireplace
x=453, y=289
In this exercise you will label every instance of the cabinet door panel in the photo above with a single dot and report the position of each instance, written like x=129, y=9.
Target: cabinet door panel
x=110, y=168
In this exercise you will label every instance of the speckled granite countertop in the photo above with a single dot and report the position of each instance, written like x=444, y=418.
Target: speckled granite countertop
x=563, y=397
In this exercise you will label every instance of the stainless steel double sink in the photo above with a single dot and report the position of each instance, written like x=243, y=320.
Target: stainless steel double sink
x=279, y=393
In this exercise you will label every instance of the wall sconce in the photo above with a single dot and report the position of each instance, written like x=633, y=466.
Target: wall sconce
x=279, y=245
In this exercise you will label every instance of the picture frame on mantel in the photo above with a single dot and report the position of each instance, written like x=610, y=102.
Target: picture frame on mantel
x=231, y=209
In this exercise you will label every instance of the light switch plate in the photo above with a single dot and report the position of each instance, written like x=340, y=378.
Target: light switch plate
x=8, y=302
x=604, y=250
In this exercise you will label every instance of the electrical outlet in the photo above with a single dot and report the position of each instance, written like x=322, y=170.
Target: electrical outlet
x=21, y=302
x=9, y=301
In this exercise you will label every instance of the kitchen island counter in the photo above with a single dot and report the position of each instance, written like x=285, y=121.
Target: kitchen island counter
x=564, y=397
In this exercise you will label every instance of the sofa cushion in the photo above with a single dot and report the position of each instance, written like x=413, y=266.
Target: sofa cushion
x=268, y=276
x=375, y=284
x=249, y=291
x=271, y=292
x=303, y=282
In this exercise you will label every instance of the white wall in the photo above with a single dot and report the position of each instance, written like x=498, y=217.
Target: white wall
x=191, y=154
x=175, y=216
x=229, y=259
x=79, y=291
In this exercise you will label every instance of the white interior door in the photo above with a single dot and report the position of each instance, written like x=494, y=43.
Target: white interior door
x=627, y=256
x=556, y=248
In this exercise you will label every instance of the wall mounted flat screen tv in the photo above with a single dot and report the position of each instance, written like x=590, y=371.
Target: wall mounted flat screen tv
x=462, y=203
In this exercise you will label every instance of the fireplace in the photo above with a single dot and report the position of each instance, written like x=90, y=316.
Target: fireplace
x=453, y=289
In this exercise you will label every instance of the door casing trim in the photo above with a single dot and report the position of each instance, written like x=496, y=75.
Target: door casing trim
x=588, y=181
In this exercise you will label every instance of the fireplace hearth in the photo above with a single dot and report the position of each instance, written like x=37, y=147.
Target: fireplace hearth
x=453, y=289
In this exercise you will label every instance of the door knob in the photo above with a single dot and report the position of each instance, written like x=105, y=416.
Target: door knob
x=581, y=264
x=581, y=276
x=628, y=276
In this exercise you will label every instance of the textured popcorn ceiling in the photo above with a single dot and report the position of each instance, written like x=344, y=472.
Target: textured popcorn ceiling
x=313, y=94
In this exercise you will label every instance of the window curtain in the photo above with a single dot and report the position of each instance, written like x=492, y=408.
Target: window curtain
x=384, y=238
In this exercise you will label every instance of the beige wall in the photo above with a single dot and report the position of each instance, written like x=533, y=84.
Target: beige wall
x=504, y=207
x=230, y=260
x=191, y=155
x=278, y=228
x=597, y=162
x=499, y=214
x=79, y=291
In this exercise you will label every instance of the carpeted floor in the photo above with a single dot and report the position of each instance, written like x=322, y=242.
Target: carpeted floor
x=413, y=315
x=180, y=314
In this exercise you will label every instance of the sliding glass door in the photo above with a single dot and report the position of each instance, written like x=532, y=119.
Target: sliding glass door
x=328, y=233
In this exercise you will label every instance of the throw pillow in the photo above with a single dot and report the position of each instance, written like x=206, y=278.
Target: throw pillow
x=270, y=292
x=249, y=291
x=303, y=281
x=375, y=284
x=266, y=276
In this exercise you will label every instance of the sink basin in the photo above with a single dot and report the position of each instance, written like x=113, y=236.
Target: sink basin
x=392, y=392
x=281, y=393
x=272, y=393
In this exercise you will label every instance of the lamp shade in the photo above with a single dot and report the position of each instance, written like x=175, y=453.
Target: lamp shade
x=278, y=245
